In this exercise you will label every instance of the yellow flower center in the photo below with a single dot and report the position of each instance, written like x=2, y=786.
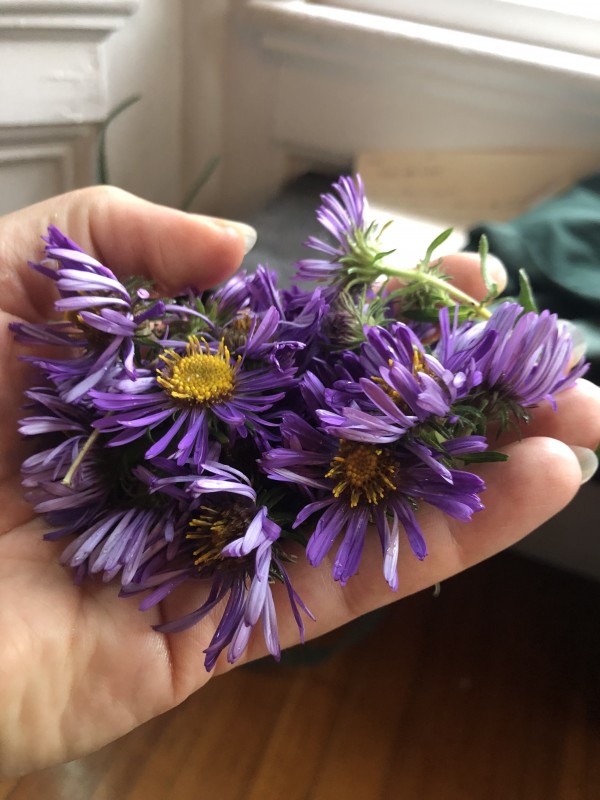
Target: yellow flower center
x=418, y=365
x=199, y=376
x=93, y=335
x=396, y=396
x=215, y=528
x=236, y=333
x=364, y=472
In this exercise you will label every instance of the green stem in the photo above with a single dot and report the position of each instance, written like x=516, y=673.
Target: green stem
x=66, y=481
x=415, y=276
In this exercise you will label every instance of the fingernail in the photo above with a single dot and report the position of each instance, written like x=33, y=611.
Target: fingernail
x=588, y=461
x=578, y=339
x=247, y=232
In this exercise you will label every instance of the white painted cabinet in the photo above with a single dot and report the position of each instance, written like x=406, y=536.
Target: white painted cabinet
x=53, y=92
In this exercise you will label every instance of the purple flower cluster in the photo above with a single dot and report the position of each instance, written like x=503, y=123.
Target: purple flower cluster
x=167, y=426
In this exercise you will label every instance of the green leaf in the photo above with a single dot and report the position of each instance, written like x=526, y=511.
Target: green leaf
x=200, y=182
x=435, y=244
x=101, y=158
x=492, y=288
x=385, y=226
x=526, y=298
x=378, y=256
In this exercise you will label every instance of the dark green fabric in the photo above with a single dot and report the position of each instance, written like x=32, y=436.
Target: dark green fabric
x=558, y=244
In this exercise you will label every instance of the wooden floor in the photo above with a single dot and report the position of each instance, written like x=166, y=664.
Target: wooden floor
x=489, y=692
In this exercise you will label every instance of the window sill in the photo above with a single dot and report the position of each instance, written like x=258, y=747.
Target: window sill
x=332, y=33
x=317, y=85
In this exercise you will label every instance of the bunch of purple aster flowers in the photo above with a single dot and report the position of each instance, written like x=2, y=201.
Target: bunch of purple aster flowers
x=213, y=436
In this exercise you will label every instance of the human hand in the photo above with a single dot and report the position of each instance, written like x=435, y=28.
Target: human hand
x=80, y=666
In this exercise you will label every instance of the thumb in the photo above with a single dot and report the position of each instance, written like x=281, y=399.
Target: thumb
x=129, y=235
x=174, y=248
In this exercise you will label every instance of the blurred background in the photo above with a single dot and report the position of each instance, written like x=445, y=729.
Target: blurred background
x=455, y=113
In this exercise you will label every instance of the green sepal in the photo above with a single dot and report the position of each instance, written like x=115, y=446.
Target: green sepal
x=290, y=534
x=200, y=307
x=526, y=298
x=482, y=458
x=491, y=287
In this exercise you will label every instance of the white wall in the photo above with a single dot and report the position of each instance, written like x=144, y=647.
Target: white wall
x=64, y=65
x=205, y=43
x=175, y=54
x=145, y=143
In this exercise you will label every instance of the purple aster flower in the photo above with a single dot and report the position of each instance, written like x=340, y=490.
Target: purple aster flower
x=352, y=255
x=232, y=543
x=264, y=292
x=353, y=483
x=85, y=492
x=461, y=347
x=229, y=299
x=255, y=291
x=303, y=316
x=187, y=483
x=266, y=341
x=243, y=293
x=523, y=357
x=100, y=320
x=343, y=218
x=247, y=314
x=392, y=386
x=191, y=391
x=116, y=539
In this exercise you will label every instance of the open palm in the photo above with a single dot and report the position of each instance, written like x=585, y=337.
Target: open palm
x=78, y=665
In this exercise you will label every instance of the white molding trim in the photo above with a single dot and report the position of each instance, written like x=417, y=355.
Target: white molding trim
x=92, y=18
x=59, y=153
x=296, y=26
x=53, y=93
x=55, y=51
x=42, y=161
x=572, y=26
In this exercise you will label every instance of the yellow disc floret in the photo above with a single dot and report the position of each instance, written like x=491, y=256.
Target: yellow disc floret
x=199, y=376
x=94, y=336
x=418, y=365
x=364, y=472
x=237, y=331
x=214, y=528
